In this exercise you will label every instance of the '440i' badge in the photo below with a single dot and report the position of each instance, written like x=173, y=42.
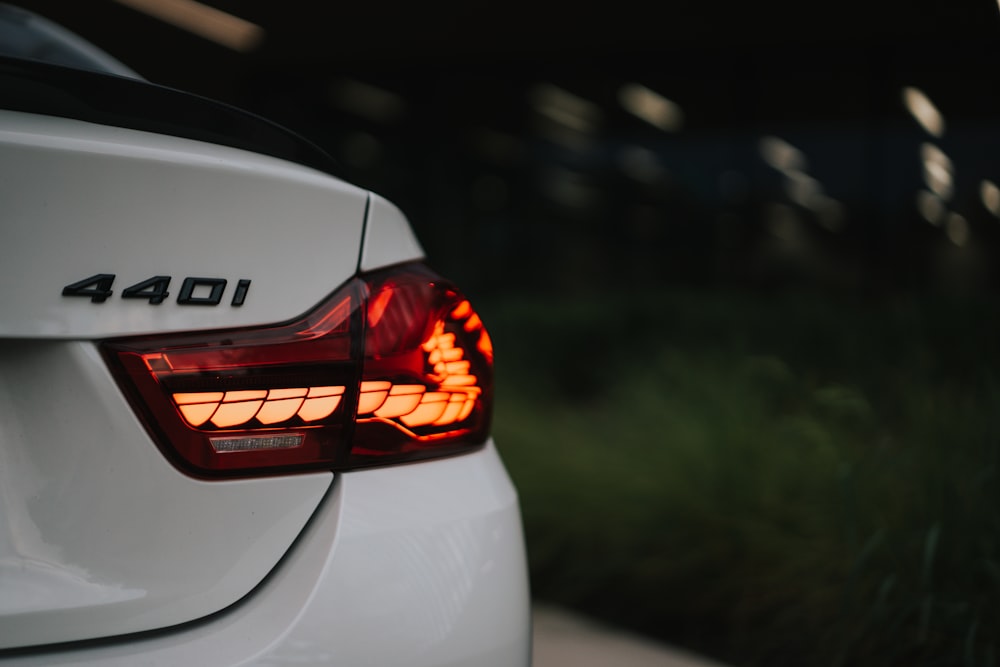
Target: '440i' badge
x=194, y=291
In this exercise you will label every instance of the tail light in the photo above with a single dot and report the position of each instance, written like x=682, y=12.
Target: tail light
x=395, y=366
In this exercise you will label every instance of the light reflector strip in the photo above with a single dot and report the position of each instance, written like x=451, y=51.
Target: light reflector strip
x=250, y=443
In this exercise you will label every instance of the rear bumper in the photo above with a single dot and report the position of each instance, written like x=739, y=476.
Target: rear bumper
x=419, y=565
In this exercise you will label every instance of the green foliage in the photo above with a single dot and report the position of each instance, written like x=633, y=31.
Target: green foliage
x=773, y=480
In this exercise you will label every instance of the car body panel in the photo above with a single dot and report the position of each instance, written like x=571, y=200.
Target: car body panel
x=388, y=237
x=99, y=533
x=81, y=199
x=109, y=554
x=418, y=566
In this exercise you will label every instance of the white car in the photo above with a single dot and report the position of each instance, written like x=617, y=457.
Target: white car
x=241, y=422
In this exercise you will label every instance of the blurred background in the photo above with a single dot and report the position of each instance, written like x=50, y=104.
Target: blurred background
x=739, y=262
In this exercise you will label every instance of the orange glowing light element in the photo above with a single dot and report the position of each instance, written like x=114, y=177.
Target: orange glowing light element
x=473, y=323
x=237, y=396
x=459, y=381
x=413, y=406
x=452, y=410
x=196, y=415
x=281, y=405
x=373, y=394
x=316, y=392
x=277, y=411
x=432, y=343
x=462, y=310
x=485, y=344
x=299, y=392
x=275, y=406
x=200, y=397
x=450, y=399
x=234, y=414
x=403, y=399
x=470, y=403
x=320, y=403
x=431, y=407
x=314, y=409
x=457, y=367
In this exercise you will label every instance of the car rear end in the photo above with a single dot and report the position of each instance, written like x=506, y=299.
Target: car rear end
x=241, y=421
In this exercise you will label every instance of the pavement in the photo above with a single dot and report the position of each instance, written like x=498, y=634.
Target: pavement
x=565, y=639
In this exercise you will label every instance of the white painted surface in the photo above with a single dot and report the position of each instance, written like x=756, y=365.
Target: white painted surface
x=409, y=566
x=99, y=533
x=80, y=199
x=388, y=237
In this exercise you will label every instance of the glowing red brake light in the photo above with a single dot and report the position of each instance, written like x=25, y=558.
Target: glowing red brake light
x=394, y=367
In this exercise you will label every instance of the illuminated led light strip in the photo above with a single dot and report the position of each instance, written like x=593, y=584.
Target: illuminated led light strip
x=463, y=311
x=234, y=408
x=426, y=408
x=406, y=406
x=413, y=405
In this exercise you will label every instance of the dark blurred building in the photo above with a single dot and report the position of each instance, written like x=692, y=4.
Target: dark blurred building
x=581, y=146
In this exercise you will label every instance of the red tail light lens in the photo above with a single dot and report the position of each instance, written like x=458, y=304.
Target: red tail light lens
x=395, y=366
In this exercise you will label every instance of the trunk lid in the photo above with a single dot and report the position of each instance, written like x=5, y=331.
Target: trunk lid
x=99, y=534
